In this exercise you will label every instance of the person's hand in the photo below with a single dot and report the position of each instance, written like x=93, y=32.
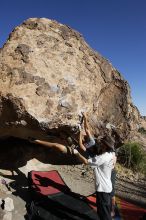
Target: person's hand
x=84, y=114
x=75, y=151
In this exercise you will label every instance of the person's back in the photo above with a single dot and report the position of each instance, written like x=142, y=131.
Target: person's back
x=103, y=166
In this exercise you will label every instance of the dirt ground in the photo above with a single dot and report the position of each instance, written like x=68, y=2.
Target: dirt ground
x=18, y=158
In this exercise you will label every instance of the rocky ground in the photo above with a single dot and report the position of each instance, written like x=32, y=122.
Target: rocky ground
x=131, y=186
x=14, y=167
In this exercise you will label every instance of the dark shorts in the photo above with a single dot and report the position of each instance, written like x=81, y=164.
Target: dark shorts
x=103, y=203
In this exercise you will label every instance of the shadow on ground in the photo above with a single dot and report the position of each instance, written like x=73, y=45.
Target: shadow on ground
x=15, y=153
x=133, y=192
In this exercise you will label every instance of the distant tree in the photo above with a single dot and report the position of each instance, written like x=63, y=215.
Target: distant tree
x=133, y=156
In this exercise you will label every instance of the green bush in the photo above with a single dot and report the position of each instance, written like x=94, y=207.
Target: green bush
x=132, y=156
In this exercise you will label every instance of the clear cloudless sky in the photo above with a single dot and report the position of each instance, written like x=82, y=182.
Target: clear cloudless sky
x=115, y=28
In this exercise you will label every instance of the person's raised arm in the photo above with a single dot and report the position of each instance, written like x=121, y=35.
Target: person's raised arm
x=81, y=145
x=86, y=125
x=81, y=158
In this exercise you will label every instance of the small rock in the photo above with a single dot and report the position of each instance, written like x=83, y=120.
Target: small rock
x=7, y=216
x=9, y=205
x=8, y=192
x=1, y=201
x=24, y=123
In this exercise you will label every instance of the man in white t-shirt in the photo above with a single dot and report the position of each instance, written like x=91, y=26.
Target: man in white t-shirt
x=102, y=165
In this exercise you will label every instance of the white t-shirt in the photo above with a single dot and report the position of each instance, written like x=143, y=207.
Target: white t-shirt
x=102, y=165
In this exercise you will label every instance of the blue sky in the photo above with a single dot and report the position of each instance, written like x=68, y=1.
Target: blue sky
x=115, y=28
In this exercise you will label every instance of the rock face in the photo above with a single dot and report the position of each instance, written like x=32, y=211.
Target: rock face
x=143, y=122
x=49, y=74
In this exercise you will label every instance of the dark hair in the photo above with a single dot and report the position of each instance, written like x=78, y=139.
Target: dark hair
x=108, y=141
x=93, y=151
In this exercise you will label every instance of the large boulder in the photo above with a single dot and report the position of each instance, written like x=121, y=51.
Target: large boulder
x=49, y=75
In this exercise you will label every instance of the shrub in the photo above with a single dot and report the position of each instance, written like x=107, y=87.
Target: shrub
x=133, y=156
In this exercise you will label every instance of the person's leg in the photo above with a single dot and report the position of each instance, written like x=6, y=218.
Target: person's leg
x=113, y=204
x=103, y=205
x=113, y=201
x=55, y=146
